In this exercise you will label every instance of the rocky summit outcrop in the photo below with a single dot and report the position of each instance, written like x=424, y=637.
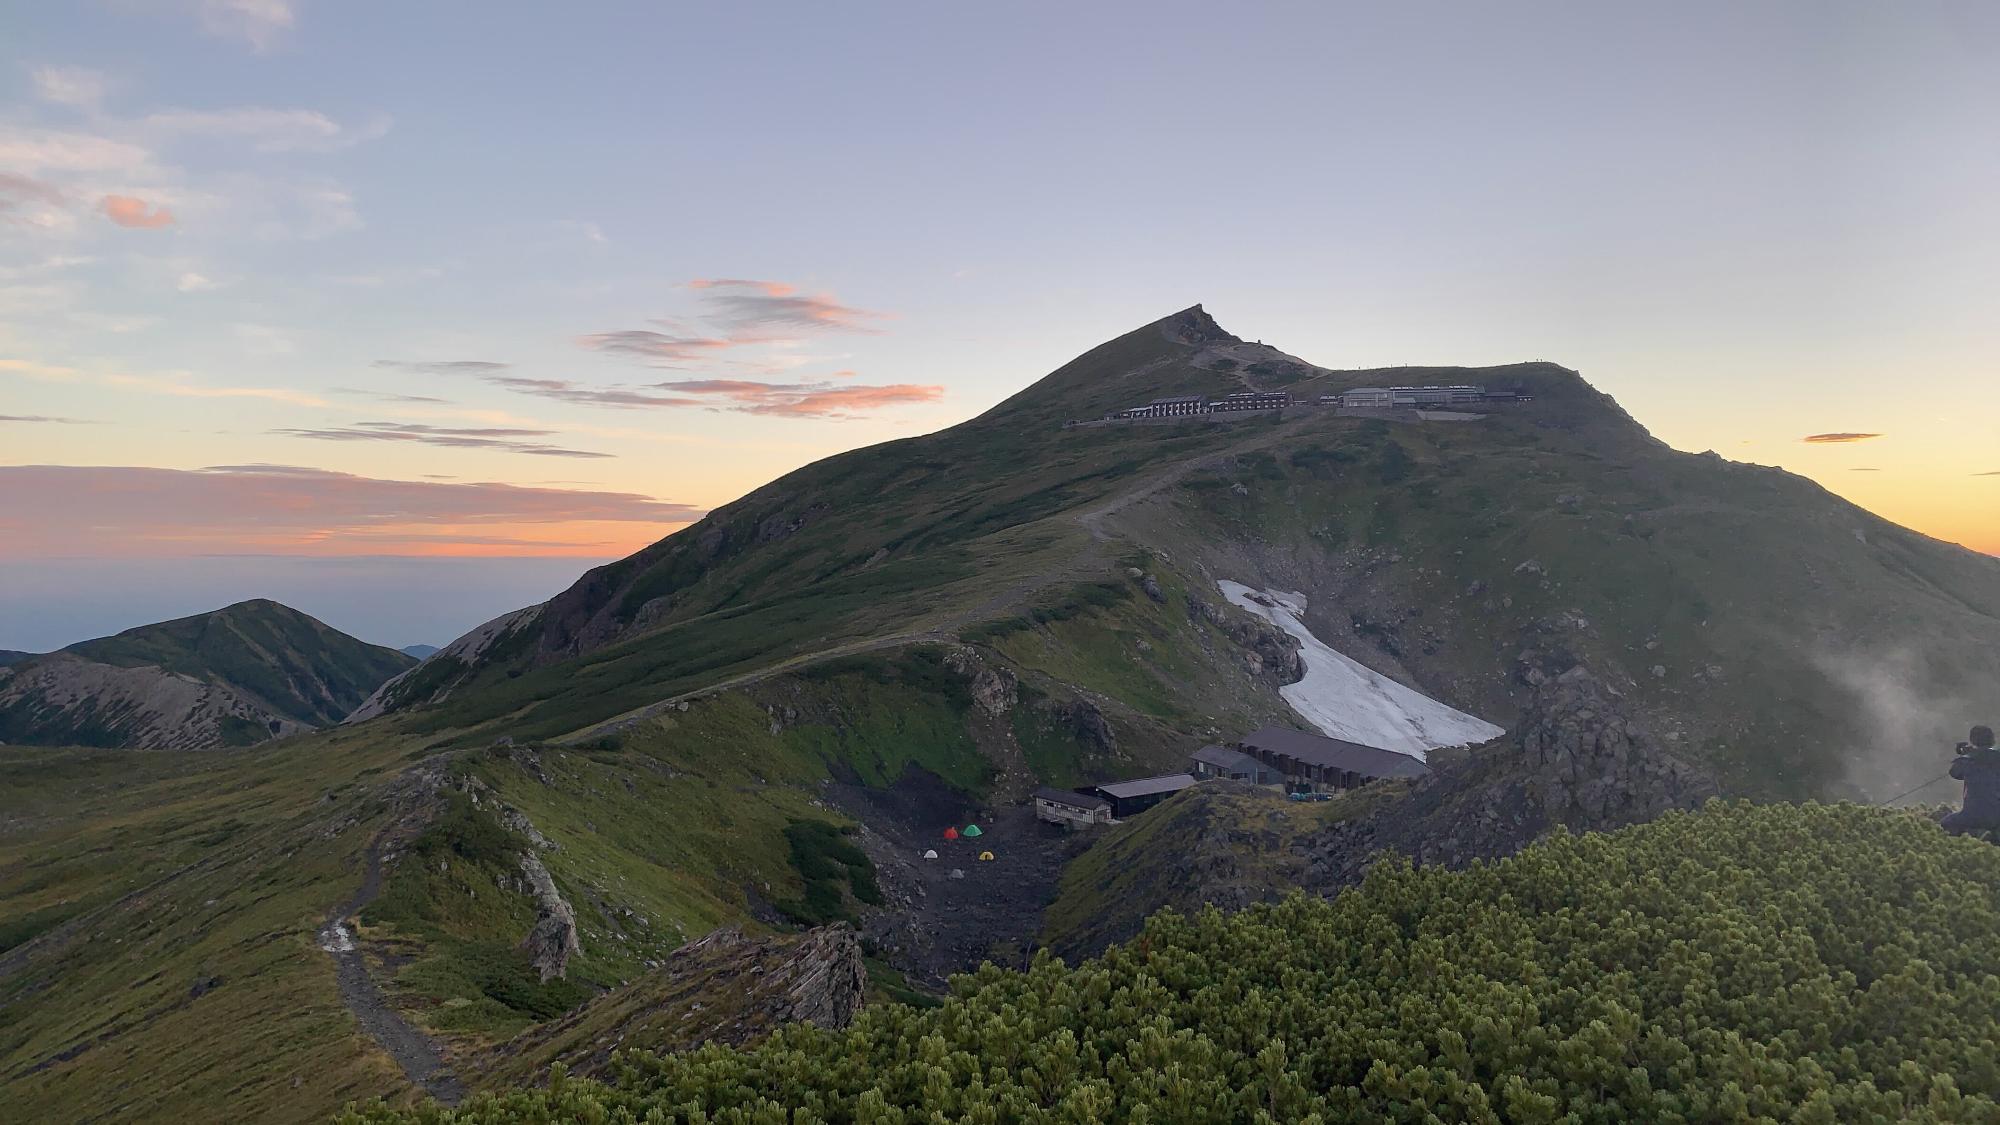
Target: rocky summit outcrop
x=728, y=987
x=1577, y=761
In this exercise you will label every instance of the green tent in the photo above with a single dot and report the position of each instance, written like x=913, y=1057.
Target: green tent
x=972, y=830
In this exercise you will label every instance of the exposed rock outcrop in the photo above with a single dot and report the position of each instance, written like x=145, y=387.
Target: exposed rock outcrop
x=1592, y=768
x=727, y=988
x=1577, y=760
x=994, y=689
x=1088, y=723
x=1269, y=653
x=552, y=941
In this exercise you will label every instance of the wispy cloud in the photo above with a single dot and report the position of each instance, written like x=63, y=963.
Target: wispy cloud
x=28, y=150
x=734, y=313
x=75, y=86
x=385, y=396
x=174, y=385
x=264, y=129
x=659, y=348
x=17, y=190
x=443, y=366
x=44, y=418
x=804, y=400
x=1862, y=470
x=1995, y=473
x=130, y=211
x=192, y=282
x=259, y=23
x=507, y=439
x=744, y=396
x=46, y=372
x=113, y=510
x=754, y=309
x=1836, y=439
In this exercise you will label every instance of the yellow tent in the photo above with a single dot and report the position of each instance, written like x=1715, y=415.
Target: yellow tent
x=985, y=855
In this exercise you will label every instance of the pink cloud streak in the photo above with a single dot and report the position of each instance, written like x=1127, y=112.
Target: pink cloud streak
x=129, y=211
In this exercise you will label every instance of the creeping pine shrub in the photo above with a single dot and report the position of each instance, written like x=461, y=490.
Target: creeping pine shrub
x=825, y=860
x=1783, y=963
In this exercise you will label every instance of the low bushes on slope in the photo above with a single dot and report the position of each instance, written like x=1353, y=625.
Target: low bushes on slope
x=1745, y=963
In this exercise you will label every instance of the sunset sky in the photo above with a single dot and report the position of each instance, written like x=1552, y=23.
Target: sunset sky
x=361, y=304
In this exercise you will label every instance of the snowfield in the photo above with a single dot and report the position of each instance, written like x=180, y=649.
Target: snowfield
x=1350, y=701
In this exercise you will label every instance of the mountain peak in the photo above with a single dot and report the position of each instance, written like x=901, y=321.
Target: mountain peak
x=231, y=676
x=1193, y=325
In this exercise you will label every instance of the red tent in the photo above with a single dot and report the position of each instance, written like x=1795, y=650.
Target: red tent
x=951, y=833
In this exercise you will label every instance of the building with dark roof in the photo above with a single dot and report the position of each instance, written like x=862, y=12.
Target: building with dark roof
x=1220, y=761
x=1140, y=794
x=1072, y=809
x=1316, y=760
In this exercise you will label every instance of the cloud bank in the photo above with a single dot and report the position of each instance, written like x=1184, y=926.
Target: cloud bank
x=1836, y=439
x=115, y=511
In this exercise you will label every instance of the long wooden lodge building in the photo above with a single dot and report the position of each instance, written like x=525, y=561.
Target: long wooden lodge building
x=1325, y=763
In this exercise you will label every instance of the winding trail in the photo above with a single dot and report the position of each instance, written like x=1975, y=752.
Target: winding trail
x=420, y=1057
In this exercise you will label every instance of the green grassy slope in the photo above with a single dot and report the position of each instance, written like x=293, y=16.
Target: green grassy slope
x=1775, y=963
x=146, y=893
x=1745, y=611
x=298, y=667
x=157, y=958
x=233, y=677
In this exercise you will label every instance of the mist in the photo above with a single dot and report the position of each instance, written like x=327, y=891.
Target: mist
x=1911, y=729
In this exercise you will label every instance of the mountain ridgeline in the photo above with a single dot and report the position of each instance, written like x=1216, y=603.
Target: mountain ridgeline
x=237, y=676
x=1767, y=630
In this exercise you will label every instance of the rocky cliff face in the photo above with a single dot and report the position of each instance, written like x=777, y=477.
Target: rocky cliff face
x=728, y=987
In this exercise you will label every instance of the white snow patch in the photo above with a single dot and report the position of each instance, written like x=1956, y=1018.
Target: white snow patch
x=336, y=939
x=1350, y=701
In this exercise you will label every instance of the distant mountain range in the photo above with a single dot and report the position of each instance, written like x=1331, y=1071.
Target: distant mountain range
x=419, y=651
x=240, y=675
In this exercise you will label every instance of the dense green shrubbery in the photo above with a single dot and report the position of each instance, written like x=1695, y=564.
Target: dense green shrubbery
x=826, y=861
x=1773, y=963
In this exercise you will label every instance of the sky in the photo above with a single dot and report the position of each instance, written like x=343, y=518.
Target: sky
x=478, y=295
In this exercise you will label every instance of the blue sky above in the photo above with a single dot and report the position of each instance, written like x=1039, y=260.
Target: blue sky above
x=444, y=263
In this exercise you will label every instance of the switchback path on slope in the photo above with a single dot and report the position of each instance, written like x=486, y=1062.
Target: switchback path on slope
x=1090, y=559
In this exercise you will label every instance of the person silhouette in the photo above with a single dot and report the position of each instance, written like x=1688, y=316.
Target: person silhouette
x=1978, y=766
